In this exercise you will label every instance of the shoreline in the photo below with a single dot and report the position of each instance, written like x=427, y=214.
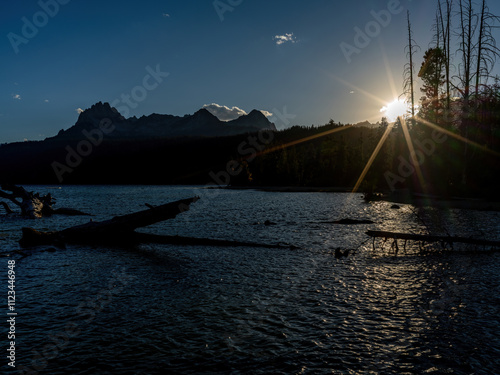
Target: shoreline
x=396, y=197
x=417, y=200
x=444, y=202
x=291, y=189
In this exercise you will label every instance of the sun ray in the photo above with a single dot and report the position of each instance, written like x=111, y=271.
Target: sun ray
x=364, y=92
x=396, y=108
x=390, y=77
x=373, y=119
x=413, y=156
x=372, y=157
x=302, y=140
x=456, y=136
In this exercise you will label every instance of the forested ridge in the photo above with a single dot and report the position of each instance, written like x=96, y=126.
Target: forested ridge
x=297, y=156
x=339, y=159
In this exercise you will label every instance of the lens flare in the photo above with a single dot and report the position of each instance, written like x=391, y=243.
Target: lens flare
x=396, y=108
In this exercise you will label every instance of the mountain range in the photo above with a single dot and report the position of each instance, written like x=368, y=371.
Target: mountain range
x=200, y=124
x=104, y=147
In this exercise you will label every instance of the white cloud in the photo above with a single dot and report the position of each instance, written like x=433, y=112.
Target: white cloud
x=224, y=113
x=79, y=110
x=46, y=100
x=166, y=15
x=267, y=114
x=281, y=39
x=16, y=96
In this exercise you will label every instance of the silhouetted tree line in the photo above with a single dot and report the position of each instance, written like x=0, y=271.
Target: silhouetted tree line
x=338, y=159
x=298, y=156
x=459, y=94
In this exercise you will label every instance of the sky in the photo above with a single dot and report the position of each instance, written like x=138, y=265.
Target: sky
x=302, y=63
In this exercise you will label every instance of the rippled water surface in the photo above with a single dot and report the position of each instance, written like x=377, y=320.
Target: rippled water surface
x=244, y=310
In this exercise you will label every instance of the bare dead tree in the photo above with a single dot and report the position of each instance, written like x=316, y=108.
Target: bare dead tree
x=466, y=32
x=478, y=53
x=443, y=24
x=409, y=70
x=487, y=50
x=32, y=205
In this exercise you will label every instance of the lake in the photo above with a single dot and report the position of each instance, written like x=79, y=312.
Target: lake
x=159, y=309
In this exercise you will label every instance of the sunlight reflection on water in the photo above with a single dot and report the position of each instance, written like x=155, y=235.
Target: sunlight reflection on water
x=259, y=311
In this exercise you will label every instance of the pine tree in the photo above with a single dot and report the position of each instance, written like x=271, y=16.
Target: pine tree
x=431, y=73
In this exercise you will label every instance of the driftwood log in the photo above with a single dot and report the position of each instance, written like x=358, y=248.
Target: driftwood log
x=32, y=205
x=120, y=230
x=6, y=208
x=429, y=238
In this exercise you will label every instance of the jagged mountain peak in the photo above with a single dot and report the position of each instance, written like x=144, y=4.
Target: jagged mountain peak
x=256, y=113
x=200, y=124
x=254, y=121
x=98, y=111
x=203, y=112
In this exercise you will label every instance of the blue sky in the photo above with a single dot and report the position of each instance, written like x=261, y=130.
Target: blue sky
x=280, y=56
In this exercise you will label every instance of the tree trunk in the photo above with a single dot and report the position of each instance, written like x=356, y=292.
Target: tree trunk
x=121, y=231
x=33, y=205
x=412, y=92
x=466, y=33
x=480, y=50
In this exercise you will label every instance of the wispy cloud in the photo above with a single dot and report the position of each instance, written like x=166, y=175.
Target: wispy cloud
x=16, y=96
x=79, y=110
x=166, y=15
x=46, y=100
x=286, y=38
x=223, y=112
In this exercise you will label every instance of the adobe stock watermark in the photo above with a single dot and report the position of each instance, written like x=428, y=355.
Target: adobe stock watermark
x=223, y=6
x=139, y=93
x=364, y=36
x=30, y=28
x=95, y=137
x=281, y=119
x=248, y=150
x=86, y=312
x=422, y=149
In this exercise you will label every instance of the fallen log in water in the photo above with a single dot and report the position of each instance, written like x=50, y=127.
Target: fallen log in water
x=194, y=241
x=109, y=230
x=121, y=231
x=6, y=208
x=32, y=205
x=429, y=238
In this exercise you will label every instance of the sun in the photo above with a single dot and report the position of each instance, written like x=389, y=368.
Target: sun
x=396, y=108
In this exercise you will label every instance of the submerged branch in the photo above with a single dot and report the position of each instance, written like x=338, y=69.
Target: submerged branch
x=33, y=205
x=121, y=231
x=6, y=207
x=431, y=238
